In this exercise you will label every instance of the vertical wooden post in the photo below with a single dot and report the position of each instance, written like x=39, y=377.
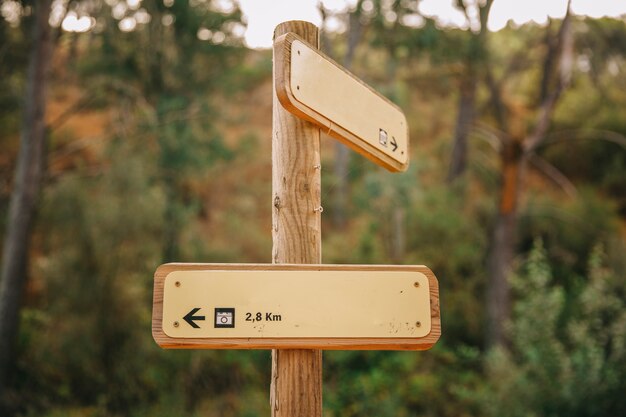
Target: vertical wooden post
x=296, y=389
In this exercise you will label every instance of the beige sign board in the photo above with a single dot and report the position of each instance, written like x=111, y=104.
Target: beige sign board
x=314, y=87
x=267, y=306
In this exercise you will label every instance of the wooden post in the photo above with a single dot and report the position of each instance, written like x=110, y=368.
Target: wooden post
x=296, y=388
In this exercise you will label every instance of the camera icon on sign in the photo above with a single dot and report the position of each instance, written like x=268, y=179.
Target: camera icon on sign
x=382, y=137
x=224, y=317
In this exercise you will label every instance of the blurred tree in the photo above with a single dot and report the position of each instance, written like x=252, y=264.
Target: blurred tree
x=159, y=67
x=28, y=177
x=521, y=139
x=14, y=54
x=518, y=142
x=473, y=60
x=171, y=66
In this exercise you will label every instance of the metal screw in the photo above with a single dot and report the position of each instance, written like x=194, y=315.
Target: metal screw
x=416, y=284
x=320, y=209
x=418, y=324
x=177, y=283
x=176, y=324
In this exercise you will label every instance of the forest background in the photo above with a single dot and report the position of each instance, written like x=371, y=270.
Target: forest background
x=141, y=134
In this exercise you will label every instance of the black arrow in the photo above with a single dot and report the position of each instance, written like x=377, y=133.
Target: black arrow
x=394, y=143
x=189, y=318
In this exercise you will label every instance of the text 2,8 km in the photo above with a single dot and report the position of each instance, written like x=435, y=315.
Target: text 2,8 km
x=263, y=317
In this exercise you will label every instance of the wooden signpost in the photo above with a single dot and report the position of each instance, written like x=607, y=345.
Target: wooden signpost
x=297, y=306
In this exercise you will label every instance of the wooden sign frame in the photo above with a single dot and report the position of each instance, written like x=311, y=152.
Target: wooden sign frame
x=359, y=104
x=421, y=343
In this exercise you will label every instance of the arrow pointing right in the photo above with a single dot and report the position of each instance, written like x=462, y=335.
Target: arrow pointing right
x=394, y=143
x=189, y=318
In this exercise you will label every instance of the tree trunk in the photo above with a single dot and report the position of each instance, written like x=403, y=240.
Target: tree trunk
x=171, y=222
x=464, y=120
x=28, y=176
x=502, y=247
x=398, y=238
x=475, y=62
x=514, y=157
x=342, y=159
x=342, y=153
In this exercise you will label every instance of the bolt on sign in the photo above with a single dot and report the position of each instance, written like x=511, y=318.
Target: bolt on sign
x=264, y=306
x=313, y=87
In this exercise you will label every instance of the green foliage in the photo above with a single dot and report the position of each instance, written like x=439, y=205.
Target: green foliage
x=170, y=58
x=569, y=230
x=561, y=365
x=99, y=257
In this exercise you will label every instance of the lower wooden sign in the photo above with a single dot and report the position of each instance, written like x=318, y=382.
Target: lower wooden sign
x=267, y=306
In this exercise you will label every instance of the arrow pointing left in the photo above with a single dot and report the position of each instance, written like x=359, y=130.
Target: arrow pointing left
x=189, y=318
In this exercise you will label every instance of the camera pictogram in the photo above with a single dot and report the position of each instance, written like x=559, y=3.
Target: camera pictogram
x=224, y=317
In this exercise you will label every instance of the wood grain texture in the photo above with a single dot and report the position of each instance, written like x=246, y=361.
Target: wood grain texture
x=165, y=341
x=296, y=180
x=296, y=388
x=282, y=68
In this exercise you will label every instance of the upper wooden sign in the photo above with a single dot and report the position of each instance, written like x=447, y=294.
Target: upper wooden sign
x=314, y=87
x=265, y=306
